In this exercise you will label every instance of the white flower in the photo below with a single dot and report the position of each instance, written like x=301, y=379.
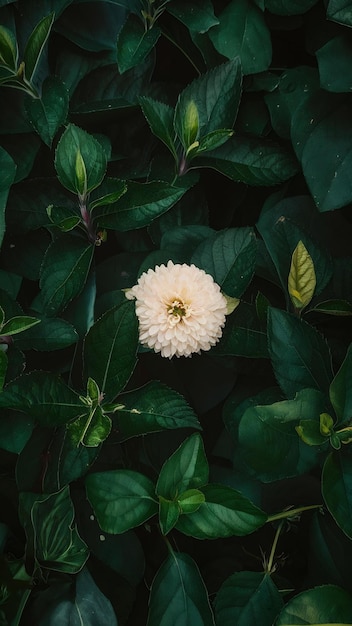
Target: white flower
x=180, y=309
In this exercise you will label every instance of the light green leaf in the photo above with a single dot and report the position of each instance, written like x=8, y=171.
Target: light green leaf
x=225, y=513
x=110, y=349
x=76, y=141
x=169, y=512
x=187, y=468
x=121, y=499
x=301, y=279
x=151, y=408
x=35, y=45
x=8, y=48
x=134, y=43
x=242, y=32
x=178, y=594
x=189, y=501
x=90, y=430
x=321, y=606
x=64, y=272
x=18, y=324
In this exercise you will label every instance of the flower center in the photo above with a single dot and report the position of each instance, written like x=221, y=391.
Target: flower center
x=176, y=311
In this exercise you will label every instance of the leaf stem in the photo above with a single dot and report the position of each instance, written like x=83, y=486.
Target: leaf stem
x=292, y=512
x=269, y=567
x=163, y=32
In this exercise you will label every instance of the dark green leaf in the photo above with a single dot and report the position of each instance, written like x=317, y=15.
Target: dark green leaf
x=225, y=512
x=242, y=32
x=152, y=408
x=8, y=169
x=299, y=354
x=169, y=512
x=8, y=49
x=43, y=396
x=230, y=257
x=64, y=272
x=339, y=11
x=183, y=240
x=291, y=7
x=336, y=488
x=110, y=349
x=187, y=468
x=3, y=368
x=52, y=334
x=243, y=334
x=35, y=45
x=216, y=96
x=250, y=161
x=334, y=61
x=247, y=598
x=141, y=203
x=15, y=429
x=268, y=439
x=282, y=225
x=341, y=389
x=121, y=499
x=49, y=112
x=160, y=119
x=80, y=602
x=55, y=541
x=134, y=43
x=76, y=145
x=178, y=594
x=197, y=15
x=340, y=308
x=108, y=193
x=327, y=604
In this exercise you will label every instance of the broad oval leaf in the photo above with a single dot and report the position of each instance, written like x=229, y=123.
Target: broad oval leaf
x=151, y=408
x=299, y=354
x=327, y=604
x=250, y=160
x=341, y=389
x=185, y=469
x=336, y=488
x=110, y=349
x=44, y=396
x=75, y=142
x=53, y=333
x=225, y=512
x=160, y=119
x=178, y=594
x=49, y=112
x=242, y=32
x=134, y=42
x=247, y=598
x=268, y=440
x=121, y=499
x=230, y=257
x=64, y=272
x=139, y=206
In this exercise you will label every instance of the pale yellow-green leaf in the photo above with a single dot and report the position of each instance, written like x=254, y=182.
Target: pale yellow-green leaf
x=326, y=424
x=301, y=279
x=191, y=123
x=231, y=303
x=81, y=174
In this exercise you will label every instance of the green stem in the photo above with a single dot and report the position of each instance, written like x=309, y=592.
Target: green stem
x=292, y=512
x=181, y=50
x=273, y=548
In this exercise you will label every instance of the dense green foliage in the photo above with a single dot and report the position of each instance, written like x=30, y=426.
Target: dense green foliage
x=211, y=490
